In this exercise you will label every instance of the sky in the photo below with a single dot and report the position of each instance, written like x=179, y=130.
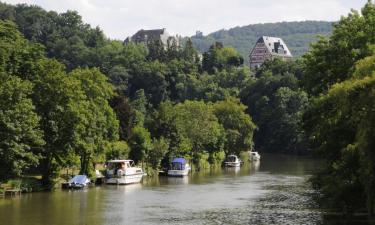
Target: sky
x=121, y=18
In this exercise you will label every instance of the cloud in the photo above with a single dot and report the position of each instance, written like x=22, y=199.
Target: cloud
x=121, y=18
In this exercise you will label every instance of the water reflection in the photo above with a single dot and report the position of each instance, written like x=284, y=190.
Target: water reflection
x=232, y=170
x=272, y=191
x=178, y=180
x=254, y=166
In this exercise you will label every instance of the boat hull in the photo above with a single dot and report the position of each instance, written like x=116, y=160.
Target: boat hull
x=178, y=173
x=126, y=179
x=255, y=159
x=232, y=164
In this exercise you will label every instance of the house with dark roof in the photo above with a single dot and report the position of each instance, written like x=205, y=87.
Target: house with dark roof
x=148, y=36
x=267, y=48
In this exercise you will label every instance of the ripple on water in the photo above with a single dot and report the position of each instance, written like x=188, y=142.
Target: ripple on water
x=286, y=200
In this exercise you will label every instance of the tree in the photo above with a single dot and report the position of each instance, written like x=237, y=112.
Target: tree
x=20, y=137
x=341, y=128
x=332, y=60
x=57, y=98
x=157, y=152
x=126, y=115
x=196, y=122
x=140, y=144
x=97, y=123
x=276, y=105
x=219, y=58
x=117, y=150
x=238, y=126
x=139, y=104
x=156, y=51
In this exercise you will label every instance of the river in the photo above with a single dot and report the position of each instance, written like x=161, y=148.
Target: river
x=274, y=191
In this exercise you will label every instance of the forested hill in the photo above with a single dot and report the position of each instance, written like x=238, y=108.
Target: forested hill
x=297, y=35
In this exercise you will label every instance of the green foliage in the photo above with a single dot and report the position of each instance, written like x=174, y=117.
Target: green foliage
x=332, y=60
x=117, y=150
x=339, y=72
x=57, y=98
x=97, y=124
x=341, y=125
x=20, y=136
x=30, y=184
x=64, y=35
x=54, y=115
x=237, y=125
x=140, y=144
x=276, y=104
x=139, y=104
x=219, y=58
x=125, y=115
x=158, y=151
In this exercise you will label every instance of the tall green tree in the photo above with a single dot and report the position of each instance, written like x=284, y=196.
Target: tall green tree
x=97, y=125
x=238, y=126
x=333, y=60
x=20, y=137
x=276, y=103
x=140, y=144
x=56, y=97
x=197, y=123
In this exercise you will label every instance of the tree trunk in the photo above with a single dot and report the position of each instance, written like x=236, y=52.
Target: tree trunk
x=85, y=162
x=47, y=172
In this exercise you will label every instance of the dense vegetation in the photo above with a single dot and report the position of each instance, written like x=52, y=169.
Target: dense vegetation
x=71, y=97
x=152, y=104
x=297, y=35
x=340, y=74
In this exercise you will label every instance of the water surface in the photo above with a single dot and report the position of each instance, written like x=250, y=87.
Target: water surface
x=274, y=191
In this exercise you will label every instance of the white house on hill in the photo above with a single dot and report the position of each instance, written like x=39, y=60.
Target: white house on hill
x=268, y=48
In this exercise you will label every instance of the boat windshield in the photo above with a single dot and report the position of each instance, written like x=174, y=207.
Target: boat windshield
x=231, y=159
x=120, y=165
x=178, y=166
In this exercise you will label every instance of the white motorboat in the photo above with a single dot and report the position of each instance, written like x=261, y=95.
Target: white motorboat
x=254, y=156
x=123, y=172
x=179, y=168
x=232, y=161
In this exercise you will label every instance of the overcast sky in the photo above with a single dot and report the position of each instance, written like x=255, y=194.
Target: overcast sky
x=121, y=18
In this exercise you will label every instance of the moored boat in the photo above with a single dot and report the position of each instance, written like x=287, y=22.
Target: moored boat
x=77, y=182
x=123, y=172
x=232, y=161
x=254, y=156
x=179, y=168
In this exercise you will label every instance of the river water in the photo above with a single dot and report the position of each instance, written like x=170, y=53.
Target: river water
x=274, y=191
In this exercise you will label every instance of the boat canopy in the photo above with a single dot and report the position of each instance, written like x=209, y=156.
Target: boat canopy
x=79, y=179
x=179, y=160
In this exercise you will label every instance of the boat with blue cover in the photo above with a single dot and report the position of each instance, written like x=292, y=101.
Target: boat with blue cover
x=179, y=168
x=77, y=182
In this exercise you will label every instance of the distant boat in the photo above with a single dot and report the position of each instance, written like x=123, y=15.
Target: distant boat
x=77, y=182
x=179, y=168
x=123, y=172
x=254, y=156
x=232, y=161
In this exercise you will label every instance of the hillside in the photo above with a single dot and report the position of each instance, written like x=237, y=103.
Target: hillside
x=297, y=35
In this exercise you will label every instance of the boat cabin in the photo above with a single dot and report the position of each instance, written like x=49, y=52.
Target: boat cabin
x=178, y=164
